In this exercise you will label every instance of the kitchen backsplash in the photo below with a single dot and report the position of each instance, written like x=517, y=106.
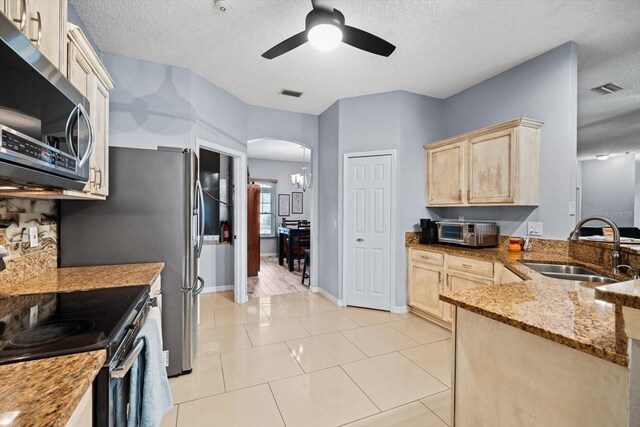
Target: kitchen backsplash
x=24, y=261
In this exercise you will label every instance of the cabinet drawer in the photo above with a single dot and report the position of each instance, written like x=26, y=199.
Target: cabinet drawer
x=471, y=265
x=425, y=257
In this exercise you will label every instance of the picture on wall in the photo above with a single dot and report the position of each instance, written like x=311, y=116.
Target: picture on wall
x=297, y=203
x=284, y=201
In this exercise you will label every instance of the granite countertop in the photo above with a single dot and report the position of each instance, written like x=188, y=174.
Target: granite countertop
x=625, y=294
x=563, y=311
x=86, y=278
x=45, y=392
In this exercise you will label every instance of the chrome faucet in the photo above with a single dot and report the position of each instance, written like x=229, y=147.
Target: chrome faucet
x=615, y=256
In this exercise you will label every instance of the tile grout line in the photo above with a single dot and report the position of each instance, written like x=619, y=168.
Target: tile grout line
x=363, y=392
x=421, y=368
x=224, y=382
x=354, y=344
x=431, y=410
x=276, y=402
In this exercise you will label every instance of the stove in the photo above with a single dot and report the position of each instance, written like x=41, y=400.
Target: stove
x=54, y=324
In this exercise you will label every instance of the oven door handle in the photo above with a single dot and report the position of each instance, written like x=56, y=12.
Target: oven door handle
x=123, y=368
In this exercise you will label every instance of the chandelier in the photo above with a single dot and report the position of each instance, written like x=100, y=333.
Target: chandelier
x=302, y=180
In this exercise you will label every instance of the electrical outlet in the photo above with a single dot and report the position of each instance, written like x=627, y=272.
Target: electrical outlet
x=572, y=208
x=33, y=236
x=166, y=358
x=534, y=229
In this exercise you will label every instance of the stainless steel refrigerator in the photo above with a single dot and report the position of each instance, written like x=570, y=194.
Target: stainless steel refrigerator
x=154, y=212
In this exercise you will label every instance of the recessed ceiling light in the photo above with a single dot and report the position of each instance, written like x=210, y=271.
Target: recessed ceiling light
x=607, y=89
x=602, y=156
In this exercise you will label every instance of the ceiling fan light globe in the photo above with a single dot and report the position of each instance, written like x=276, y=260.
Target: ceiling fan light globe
x=325, y=36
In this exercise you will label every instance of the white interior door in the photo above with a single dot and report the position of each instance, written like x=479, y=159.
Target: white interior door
x=368, y=231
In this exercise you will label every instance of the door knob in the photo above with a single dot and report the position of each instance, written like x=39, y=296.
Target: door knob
x=359, y=239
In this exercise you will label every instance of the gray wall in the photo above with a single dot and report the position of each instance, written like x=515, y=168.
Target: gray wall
x=158, y=105
x=399, y=121
x=329, y=247
x=279, y=124
x=282, y=171
x=608, y=188
x=543, y=88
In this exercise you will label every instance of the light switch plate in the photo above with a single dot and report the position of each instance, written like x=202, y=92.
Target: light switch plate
x=33, y=236
x=534, y=229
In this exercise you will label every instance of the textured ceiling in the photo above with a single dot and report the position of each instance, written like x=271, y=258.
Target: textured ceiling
x=443, y=47
x=277, y=149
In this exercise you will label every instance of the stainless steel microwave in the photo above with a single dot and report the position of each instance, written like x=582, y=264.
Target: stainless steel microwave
x=476, y=234
x=46, y=134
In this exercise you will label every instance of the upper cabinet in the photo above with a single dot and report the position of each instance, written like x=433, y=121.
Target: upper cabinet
x=87, y=73
x=446, y=174
x=44, y=22
x=494, y=166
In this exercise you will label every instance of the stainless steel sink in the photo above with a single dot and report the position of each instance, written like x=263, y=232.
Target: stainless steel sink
x=569, y=272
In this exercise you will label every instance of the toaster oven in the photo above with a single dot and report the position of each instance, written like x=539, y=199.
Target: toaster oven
x=475, y=234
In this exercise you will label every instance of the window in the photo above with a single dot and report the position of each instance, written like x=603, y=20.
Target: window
x=267, y=212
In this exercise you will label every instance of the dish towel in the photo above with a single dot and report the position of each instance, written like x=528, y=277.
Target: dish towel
x=149, y=395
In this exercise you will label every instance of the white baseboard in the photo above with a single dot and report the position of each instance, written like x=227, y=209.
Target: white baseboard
x=269, y=254
x=400, y=309
x=211, y=290
x=328, y=296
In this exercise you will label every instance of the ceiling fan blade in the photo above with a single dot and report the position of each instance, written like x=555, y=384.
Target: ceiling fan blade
x=366, y=41
x=287, y=45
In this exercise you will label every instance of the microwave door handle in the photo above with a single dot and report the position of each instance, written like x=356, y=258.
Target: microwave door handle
x=90, y=144
x=69, y=130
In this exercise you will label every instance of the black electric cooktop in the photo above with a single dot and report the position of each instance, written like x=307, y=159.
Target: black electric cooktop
x=53, y=324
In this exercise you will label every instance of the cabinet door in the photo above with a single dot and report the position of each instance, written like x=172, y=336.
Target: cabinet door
x=445, y=175
x=78, y=70
x=461, y=282
x=425, y=285
x=3, y=8
x=100, y=119
x=47, y=28
x=491, y=165
x=16, y=11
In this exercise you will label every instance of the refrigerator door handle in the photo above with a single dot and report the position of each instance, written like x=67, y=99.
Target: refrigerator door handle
x=200, y=288
x=201, y=219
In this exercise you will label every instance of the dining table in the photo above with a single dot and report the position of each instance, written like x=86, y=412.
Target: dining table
x=286, y=237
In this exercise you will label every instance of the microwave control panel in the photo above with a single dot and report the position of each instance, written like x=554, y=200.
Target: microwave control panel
x=40, y=152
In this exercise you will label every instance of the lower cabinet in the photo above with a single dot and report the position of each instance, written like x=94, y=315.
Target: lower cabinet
x=431, y=273
x=82, y=416
x=425, y=294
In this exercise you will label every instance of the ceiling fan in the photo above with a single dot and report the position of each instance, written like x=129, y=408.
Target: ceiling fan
x=325, y=29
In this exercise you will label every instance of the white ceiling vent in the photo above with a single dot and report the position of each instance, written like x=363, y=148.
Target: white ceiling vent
x=292, y=93
x=606, y=89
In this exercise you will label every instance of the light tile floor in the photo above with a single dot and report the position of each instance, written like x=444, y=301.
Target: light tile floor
x=299, y=360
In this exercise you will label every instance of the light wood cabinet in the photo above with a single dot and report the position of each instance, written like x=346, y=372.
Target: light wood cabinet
x=458, y=281
x=446, y=181
x=87, y=73
x=44, y=22
x=427, y=285
x=82, y=416
x=431, y=273
x=494, y=166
